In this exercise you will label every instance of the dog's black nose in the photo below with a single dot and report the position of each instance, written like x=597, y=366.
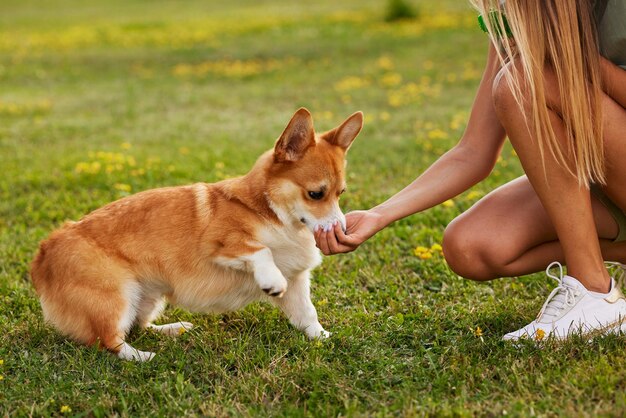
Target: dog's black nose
x=303, y=220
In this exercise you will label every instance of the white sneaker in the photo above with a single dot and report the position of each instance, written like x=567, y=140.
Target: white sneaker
x=572, y=309
x=617, y=271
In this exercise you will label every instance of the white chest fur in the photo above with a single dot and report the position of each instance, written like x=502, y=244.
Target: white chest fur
x=293, y=249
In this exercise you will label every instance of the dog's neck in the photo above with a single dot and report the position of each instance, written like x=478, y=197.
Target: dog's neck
x=251, y=190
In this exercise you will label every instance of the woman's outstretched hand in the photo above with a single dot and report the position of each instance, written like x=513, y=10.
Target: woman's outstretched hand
x=360, y=225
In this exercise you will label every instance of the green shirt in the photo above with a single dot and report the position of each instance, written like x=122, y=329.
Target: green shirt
x=611, y=17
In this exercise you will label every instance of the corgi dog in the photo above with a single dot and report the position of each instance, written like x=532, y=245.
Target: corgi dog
x=205, y=247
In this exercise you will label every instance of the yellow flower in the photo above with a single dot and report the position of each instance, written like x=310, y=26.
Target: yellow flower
x=1, y=362
x=540, y=335
x=448, y=203
x=351, y=83
x=1, y=377
x=384, y=116
x=420, y=250
x=385, y=63
x=436, y=247
x=437, y=134
x=478, y=332
x=122, y=187
x=65, y=409
x=391, y=79
x=125, y=145
x=426, y=256
x=183, y=150
x=131, y=161
x=181, y=330
x=473, y=195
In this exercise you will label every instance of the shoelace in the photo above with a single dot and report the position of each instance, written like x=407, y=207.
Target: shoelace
x=560, y=297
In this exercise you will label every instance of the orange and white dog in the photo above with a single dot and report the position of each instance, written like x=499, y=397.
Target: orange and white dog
x=206, y=247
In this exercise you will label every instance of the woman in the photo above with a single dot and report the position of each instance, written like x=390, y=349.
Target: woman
x=559, y=95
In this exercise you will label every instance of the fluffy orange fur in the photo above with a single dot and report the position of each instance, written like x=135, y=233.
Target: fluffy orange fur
x=192, y=244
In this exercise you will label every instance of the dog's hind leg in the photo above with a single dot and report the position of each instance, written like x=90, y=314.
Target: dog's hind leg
x=174, y=329
x=87, y=294
x=111, y=333
x=150, y=309
x=126, y=352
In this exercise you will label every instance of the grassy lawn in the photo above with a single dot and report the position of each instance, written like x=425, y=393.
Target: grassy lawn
x=102, y=99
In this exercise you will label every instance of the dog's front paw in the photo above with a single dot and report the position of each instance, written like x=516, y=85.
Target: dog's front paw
x=275, y=288
x=323, y=335
x=316, y=332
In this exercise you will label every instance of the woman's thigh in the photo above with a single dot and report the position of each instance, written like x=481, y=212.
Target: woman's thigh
x=504, y=226
x=615, y=150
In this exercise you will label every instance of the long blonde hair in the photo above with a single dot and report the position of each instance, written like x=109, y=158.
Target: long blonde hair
x=559, y=34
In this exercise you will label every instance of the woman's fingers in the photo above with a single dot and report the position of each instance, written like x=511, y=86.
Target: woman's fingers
x=334, y=245
x=346, y=240
x=327, y=241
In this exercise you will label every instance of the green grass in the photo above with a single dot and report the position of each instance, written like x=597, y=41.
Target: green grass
x=101, y=98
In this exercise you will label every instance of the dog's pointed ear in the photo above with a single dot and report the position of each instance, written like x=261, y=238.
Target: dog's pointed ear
x=343, y=135
x=297, y=137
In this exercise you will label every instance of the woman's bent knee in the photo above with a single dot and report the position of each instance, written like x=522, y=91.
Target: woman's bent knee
x=466, y=253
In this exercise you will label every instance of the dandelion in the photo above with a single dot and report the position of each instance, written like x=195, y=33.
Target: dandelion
x=391, y=79
x=385, y=63
x=473, y=195
x=458, y=121
x=428, y=65
x=183, y=150
x=125, y=145
x=437, y=134
x=423, y=252
x=181, y=330
x=420, y=250
x=122, y=187
x=219, y=165
x=351, y=83
x=540, y=335
x=1, y=362
x=385, y=116
x=478, y=332
x=326, y=115
x=65, y=409
x=436, y=247
x=448, y=203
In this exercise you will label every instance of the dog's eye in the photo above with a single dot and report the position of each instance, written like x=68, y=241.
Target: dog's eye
x=316, y=195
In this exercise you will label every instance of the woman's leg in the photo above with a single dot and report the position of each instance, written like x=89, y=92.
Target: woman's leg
x=548, y=216
x=509, y=233
x=568, y=206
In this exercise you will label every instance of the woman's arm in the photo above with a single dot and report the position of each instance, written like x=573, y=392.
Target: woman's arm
x=614, y=79
x=469, y=162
